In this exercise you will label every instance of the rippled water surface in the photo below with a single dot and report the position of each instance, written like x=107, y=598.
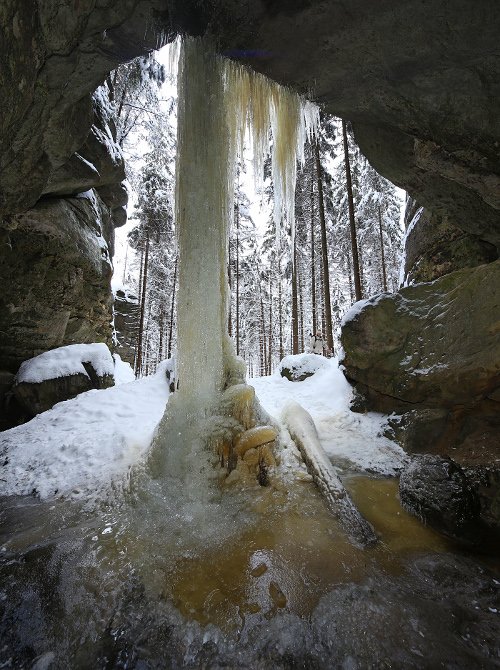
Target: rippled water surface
x=145, y=582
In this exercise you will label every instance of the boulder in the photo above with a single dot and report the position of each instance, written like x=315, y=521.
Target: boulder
x=434, y=345
x=62, y=374
x=298, y=367
x=437, y=491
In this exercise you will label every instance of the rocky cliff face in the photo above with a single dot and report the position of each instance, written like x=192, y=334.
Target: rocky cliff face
x=55, y=260
x=435, y=247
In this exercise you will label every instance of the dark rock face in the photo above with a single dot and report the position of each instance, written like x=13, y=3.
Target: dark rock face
x=126, y=311
x=36, y=398
x=437, y=491
x=54, y=55
x=435, y=247
x=55, y=268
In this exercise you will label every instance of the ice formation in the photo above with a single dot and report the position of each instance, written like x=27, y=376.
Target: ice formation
x=219, y=101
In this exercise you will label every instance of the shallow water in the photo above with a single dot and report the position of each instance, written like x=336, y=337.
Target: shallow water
x=133, y=585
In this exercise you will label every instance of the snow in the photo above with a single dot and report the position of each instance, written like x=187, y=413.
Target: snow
x=123, y=371
x=82, y=446
x=302, y=363
x=351, y=440
x=66, y=361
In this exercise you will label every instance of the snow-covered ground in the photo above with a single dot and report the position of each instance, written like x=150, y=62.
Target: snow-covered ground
x=82, y=445
x=349, y=439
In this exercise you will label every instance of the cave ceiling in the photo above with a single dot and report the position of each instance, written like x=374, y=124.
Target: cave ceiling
x=418, y=80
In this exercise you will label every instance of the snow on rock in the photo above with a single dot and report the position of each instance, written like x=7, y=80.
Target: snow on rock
x=359, y=306
x=66, y=361
x=300, y=366
x=352, y=441
x=80, y=446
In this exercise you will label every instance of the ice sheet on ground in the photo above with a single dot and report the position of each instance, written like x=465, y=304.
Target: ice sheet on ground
x=348, y=438
x=66, y=361
x=80, y=446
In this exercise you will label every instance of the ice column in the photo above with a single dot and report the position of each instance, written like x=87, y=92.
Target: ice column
x=203, y=208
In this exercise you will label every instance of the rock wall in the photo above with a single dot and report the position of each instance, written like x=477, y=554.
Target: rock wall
x=126, y=308
x=55, y=260
x=435, y=247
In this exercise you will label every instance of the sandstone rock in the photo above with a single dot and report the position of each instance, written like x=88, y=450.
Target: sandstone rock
x=55, y=270
x=437, y=491
x=53, y=57
x=126, y=319
x=434, y=344
x=435, y=247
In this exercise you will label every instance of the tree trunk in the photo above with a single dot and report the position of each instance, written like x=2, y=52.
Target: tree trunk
x=230, y=294
x=295, y=315
x=280, y=307
x=270, y=333
x=349, y=274
x=237, y=272
x=324, y=254
x=263, y=334
x=382, y=254
x=162, y=333
x=172, y=312
x=352, y=222
x=138, y=362
x=313, y=259
x=301, y=315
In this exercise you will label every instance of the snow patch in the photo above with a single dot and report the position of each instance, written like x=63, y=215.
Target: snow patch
x=351, y=440
x=80, y=447
x=123, y=371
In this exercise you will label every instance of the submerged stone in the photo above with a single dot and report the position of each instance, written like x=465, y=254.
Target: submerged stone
x=437, y=491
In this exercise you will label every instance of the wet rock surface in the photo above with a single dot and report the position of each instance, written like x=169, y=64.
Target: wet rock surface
x=437, y=491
